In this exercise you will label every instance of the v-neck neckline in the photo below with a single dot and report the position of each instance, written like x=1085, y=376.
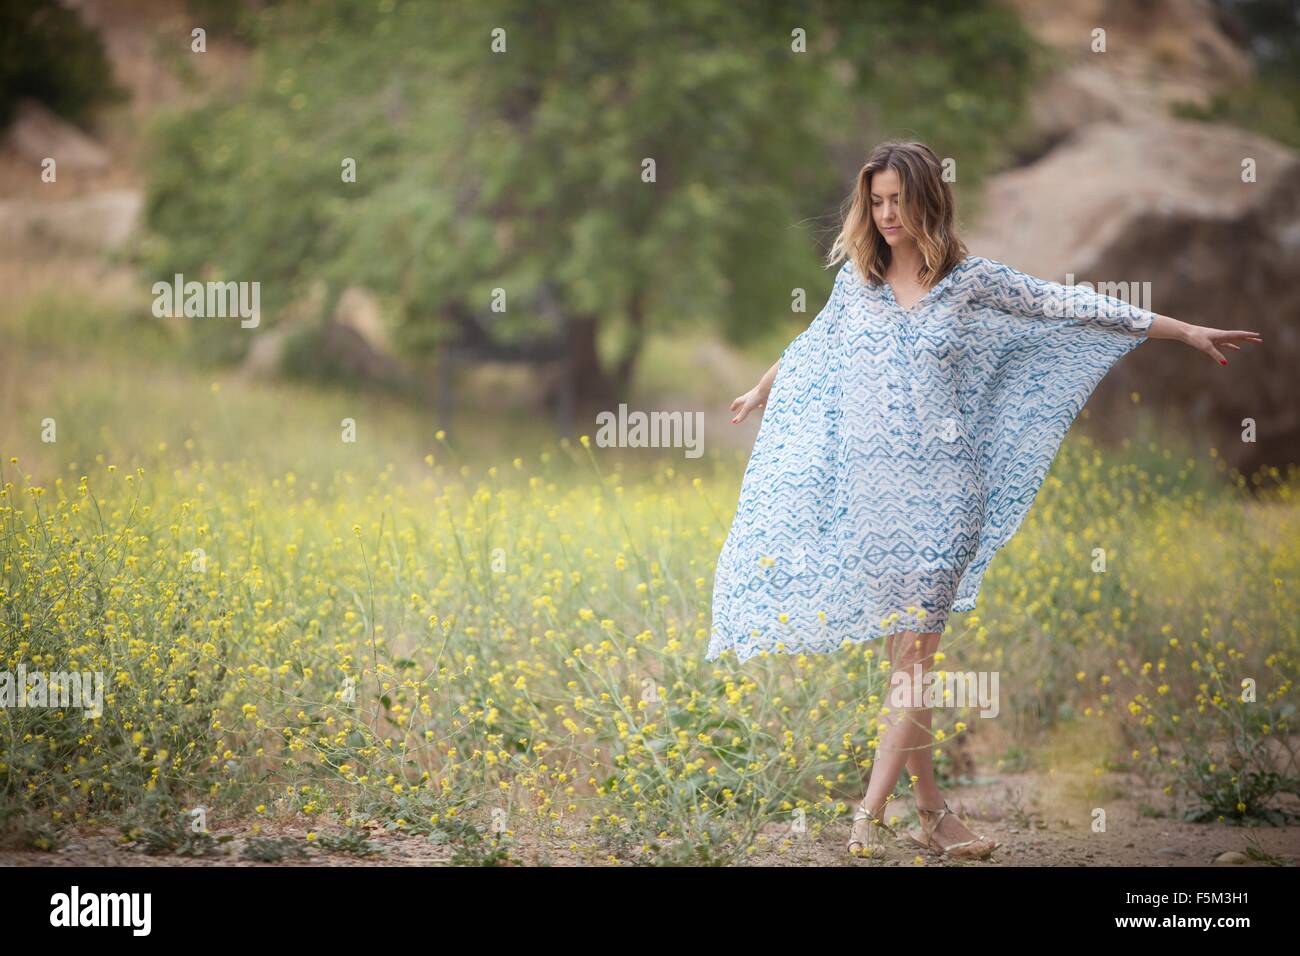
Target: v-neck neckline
x=910, y=309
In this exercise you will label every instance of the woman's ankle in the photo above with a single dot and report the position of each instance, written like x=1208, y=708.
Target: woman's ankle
x=931, y=803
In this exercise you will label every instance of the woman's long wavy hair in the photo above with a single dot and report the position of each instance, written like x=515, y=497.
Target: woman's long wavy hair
x=925, y=206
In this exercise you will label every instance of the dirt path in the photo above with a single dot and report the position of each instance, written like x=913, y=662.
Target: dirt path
x=1042, y=819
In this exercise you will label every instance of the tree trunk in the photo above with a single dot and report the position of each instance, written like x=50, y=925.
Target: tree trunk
x=636, y=341
x=593, y=389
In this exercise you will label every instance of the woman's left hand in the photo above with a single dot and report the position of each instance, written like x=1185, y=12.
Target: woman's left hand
x=1210, y=341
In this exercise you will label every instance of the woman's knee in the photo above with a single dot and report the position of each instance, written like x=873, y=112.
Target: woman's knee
x=915, y=656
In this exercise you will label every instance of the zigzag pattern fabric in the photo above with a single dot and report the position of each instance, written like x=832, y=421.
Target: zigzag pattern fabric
x=901, y=448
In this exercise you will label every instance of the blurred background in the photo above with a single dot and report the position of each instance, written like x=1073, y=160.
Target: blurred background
x=615, y=207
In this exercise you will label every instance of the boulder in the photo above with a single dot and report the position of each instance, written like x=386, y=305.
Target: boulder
x=359, y=310
x=95, y=222
x=352, y=340
x=1116, y=189
x=1164, y=203
x=36, y=133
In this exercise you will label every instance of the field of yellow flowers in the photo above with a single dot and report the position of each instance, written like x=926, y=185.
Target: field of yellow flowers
x=521, y=645
x=470, y=636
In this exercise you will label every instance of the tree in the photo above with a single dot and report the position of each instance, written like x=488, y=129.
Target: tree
x=642, y=165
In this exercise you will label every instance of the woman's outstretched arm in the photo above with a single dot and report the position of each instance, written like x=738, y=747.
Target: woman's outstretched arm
x=998, y=285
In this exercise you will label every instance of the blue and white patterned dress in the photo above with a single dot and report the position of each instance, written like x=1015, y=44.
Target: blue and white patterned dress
x=901, y=448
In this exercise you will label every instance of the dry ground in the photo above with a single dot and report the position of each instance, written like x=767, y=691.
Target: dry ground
x=1041, y=818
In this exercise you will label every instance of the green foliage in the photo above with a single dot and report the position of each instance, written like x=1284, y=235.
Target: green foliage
x=66, y=324
x=274, y=849
x=473, y=846
x=710, y=850
x=354, y=843
x=1229, y=760
x=305, y=359
x=1270, y=106
x=157, y=826
x=20, y=830
x=227, y=18
x=522, y=170
x=48, y=53
x=410, y=811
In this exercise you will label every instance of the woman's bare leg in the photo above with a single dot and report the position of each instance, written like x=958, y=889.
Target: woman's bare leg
x=920, y=759
x=900, y=736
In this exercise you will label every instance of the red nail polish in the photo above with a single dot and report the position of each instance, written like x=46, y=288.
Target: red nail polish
x=1223, y=361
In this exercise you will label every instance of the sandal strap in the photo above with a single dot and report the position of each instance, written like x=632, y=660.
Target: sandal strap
x=861, y=812
x=874, y=824
x=871, y=838
x=929, y=831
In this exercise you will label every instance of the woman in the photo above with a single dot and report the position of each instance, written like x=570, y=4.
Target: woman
x=904, y=439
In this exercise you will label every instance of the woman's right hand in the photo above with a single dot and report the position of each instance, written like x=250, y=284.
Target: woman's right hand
x=756, y=397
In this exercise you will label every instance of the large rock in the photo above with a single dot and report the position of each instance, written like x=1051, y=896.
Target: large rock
x=96, y=222
x=37, y=134
x=359, y=311
x=1114, y=189
x=1163, y=202
x=1161, y=52
x=352, y=340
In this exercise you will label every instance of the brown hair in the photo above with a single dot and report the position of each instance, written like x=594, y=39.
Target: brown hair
x=926, y=208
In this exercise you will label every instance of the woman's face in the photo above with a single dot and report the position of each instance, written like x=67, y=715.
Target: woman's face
x=884, y=207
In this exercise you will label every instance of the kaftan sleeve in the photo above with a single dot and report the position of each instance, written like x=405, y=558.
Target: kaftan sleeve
x=998, y=286
x=787, y=494
x=1035, y=351
x=803, y=404
x=799, y=425
x=823, y=332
